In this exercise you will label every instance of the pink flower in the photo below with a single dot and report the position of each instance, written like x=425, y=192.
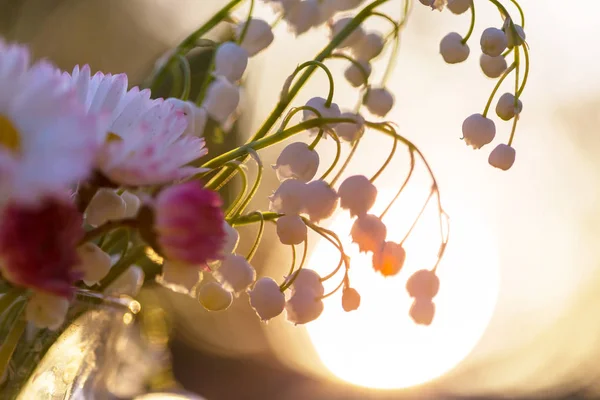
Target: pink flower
x=38, y=246
x=189, y=224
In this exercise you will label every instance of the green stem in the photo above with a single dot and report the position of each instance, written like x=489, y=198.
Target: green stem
x=8, y=298
x=346, y=162
x=107, y=227
x=500, y=7
x=472, y=26
x=187, y=77
x=284, y=286
x=316, y=141
x=319, y=64
x=502, y=78
x=247, y=24
x=386, y=163
x=259, y=235
x=293, y=260
x=10, y=343
x=122, y=265
x=338, y=287
x=252, y=218
x=412, y=227
x=521, y=13
x=240, y=210
x=232, y=207
x=526, y=73
x=412, y=167
x=338, y=152
x=176, y=85
x=358, y=65
x=326, y=233
x=208, y=78
x=516, y=102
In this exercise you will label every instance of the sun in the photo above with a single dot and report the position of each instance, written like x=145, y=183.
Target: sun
x=378, y=345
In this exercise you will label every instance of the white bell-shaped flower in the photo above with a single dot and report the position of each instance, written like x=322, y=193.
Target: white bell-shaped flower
x=369, y=232
x=132, y=204
x=357, y=34
x=368, y=47
x=180, y=278
x=93, y=263
x=46, y=310
x=327, y=9
x=214, y=297
x=222, y=99
x=389, y=259
x=349, y=131
x=513, y=38
x=345, y=5
x=304, y=306
x=478, y=131
x=291, y=229
x=502, y=157
x=259, y=35
x=319, y=104
x=506, y=108
x=459, y=6
x=266, y=298
x=306, y=279
x=128, y=283
x=297, y=161
x=453, y=50
x=302, y=16
x=196, y=116
x=321, y=200
x=379, y=101
x=357, y=77
x=422, y=311
x=231, y=61
x=428, y=3
x=106, y=205
x=235, y=273
x=232, y=239
x=423, y=284
x=357, y=194
x=289, y=198
x=492, y=67
x=493, y=42
x=350, y=299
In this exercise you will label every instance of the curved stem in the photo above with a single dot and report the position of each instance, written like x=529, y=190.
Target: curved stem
x=357, y=64
x=316, y=141
x=472, y=26
x=11, y=341
x=395, y=24
x=346, y=162
x=176, y=84
x=239, y=210
x=319, y=64
x=8, y=298
x=259, y=235
x=252, y=218
x=502, y=78
x=326, y=233
x=107, y=227
x=418, y=217
x=412, y=167
x=208, y=78
x=526, y=73
x=338, y=287
x=241, y=194
x=295, y=111
x=338, y=152
x=291, y=278
x=521, y=13
x=501, y=7
x=386, y=163
x=247, y=24
x=187, y=77
x=293, y=260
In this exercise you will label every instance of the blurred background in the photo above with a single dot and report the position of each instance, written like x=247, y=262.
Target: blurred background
x=518, y=312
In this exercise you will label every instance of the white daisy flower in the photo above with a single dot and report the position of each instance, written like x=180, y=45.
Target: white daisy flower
x=43, y=148
x=144, y=143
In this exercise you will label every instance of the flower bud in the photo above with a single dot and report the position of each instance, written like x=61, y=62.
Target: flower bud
x=291, y=229
x=304, y=306
x=258, y=36
x=349, y=131
x=350, y=299
x=369, y=232
x=357, y=34
x=492, y=67
x=266, y=299
x=357, y=195
x=232, y=238
x=297, y=161
x=357, y=77
x=318, y=103
x=128, y=283
x=493, y=42
x=106, y=205
x=327, y=9
x=321, y=200
x=478, y=131
x=302, y=16
x=289, y=198
x=459, y=6
x=513, y=38
x=196, y=116
x=180, y=278
x=368, y=47
x=422, y=311
x=93, y=263
x=222, y=99
x=132, y=204
x=235, y=273
x=213, y=297
x=453, y=50
x=46, y=310
x=506, y=109
x=423, y=284
x=379, y=101
x=231, y=61
x=308, y=280
x=502, y=157
x=389, y=259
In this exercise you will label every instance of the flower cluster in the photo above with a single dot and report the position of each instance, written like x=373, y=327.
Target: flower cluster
x=104, y=187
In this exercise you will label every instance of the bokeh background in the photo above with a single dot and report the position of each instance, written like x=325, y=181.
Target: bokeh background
x=539, y=221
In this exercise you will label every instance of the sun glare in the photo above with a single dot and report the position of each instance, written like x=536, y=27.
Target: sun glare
x=378, y=345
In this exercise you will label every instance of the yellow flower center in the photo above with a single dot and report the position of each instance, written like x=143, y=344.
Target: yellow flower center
x=9, y=136
x=113, y=137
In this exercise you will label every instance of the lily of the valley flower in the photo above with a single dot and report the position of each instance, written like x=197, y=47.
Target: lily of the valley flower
x=291, y=229
x=493, y=42
x=453, y=50
x=478, y=131
x=506, y=108
x=266, y=299
x=492, y=67
x=214, y=297
x=369, y=232
x=297, y=161
x=357, y=194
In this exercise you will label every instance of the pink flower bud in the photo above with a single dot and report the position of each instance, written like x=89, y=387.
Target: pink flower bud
x=289, y=198
x=423, y=284
x=357, y=34
x=349, y=131
x=258, y=36
x=357, y=194
x=235, y=273
x=297, y=161
x=453, y=50
x=422, y=311
x=266, y=299
x=379, y=101
x=492, y=67
x=389, y=259
x=307, y=279
x=231, y=61
x=189, y=223
x=369, y=232
x=478, y=131
x=291, y=229
x=214, y=297
x=506, y=109
x=493, y=42
x=502, y=157
x=321, y=200
x=350, y=299
x=513, y=38
x=355, y=76
x=368, y=47
x=304, y=306
x=318, y=103
x=459, y=6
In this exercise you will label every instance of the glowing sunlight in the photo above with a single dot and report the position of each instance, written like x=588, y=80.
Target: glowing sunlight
x=378, y=345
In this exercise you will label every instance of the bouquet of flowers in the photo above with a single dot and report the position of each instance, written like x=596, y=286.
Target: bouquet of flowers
x=104, y=187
